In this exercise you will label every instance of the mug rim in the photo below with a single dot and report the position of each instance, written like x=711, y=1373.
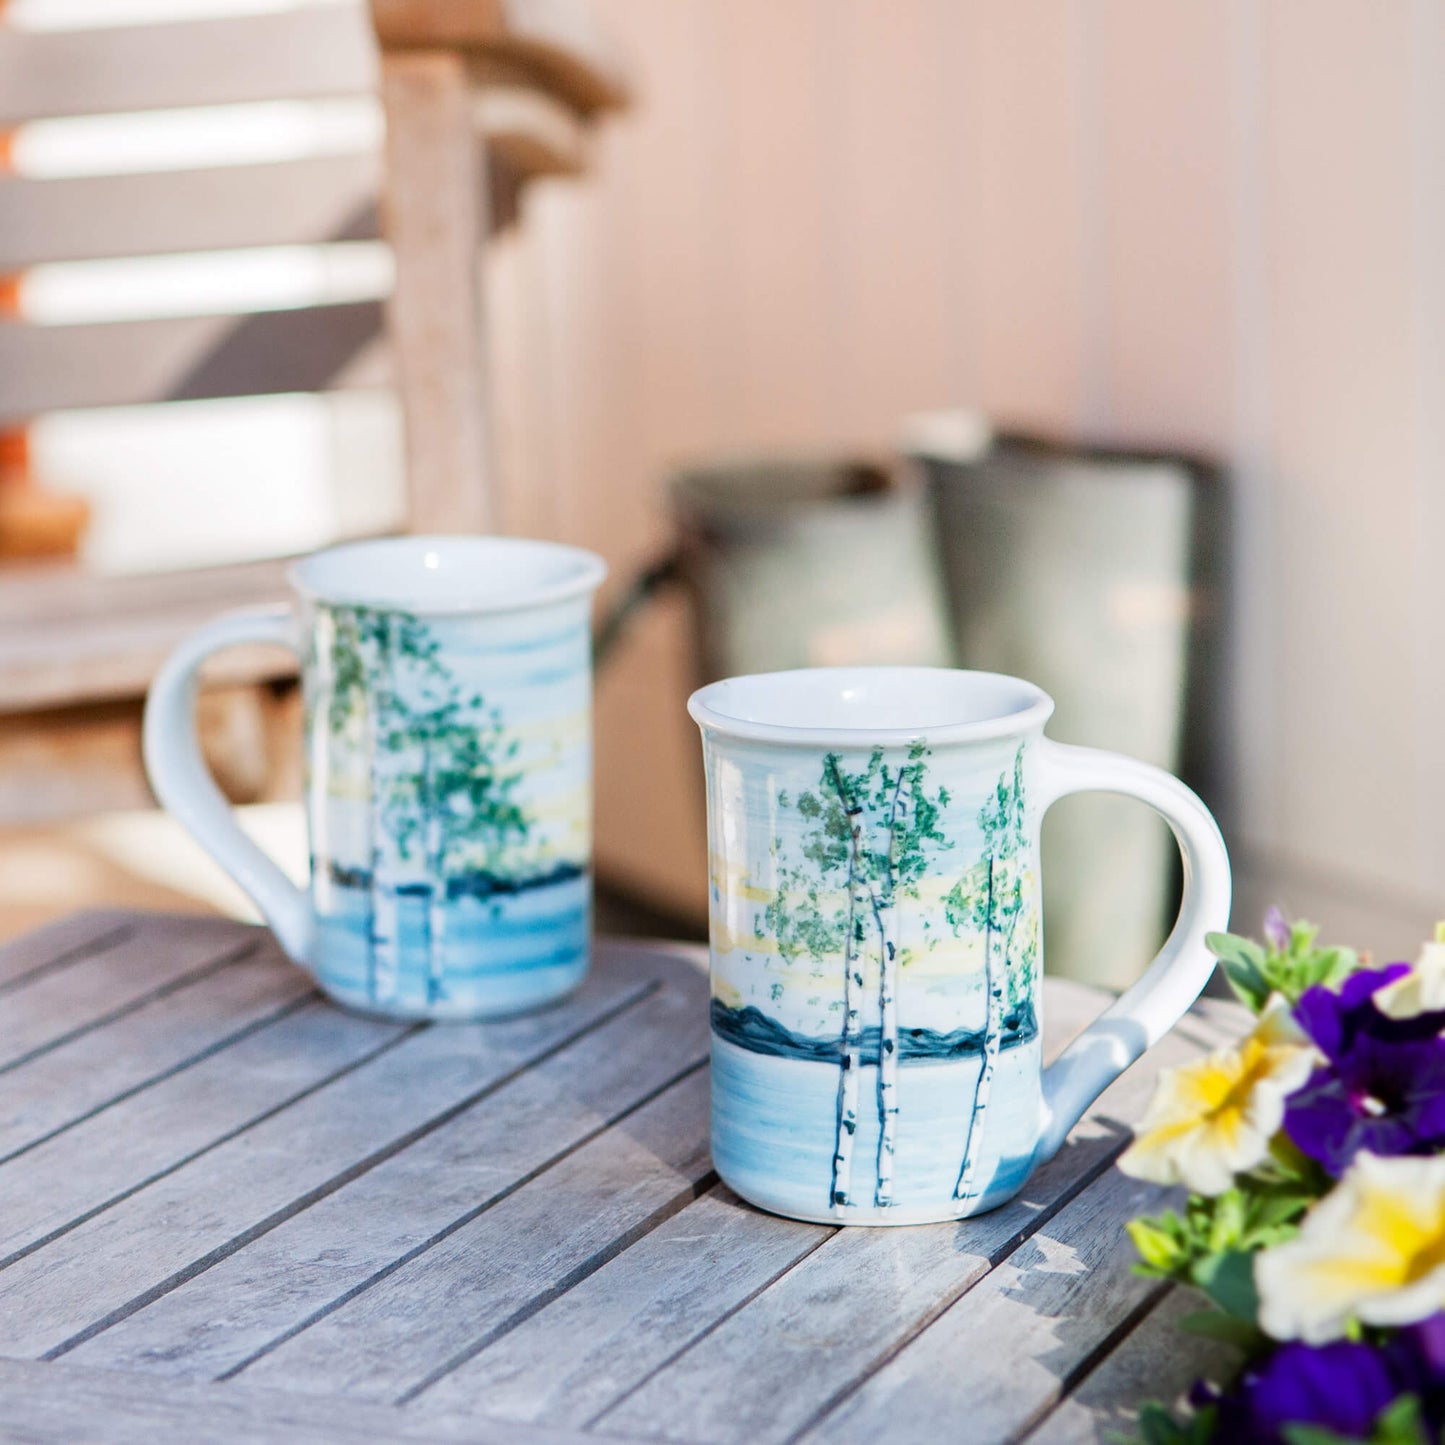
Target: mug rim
x=565, y=572
x=1035, y=709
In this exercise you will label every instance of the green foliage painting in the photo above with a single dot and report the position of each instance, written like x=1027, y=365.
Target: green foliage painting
x=440, y=773
x=990, y=899
x=870, y=835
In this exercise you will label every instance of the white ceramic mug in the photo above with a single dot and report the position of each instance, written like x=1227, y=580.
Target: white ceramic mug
x=448, y=687
x=877, y=938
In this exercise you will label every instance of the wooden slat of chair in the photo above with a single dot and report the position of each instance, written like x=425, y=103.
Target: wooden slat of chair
x=435, y=206
x=323, y=198
x=470, y=121
x=123, y=363
x=67, y=636
x=299, y=54
x=557, y=42
x=533, y=134
x=309, y=53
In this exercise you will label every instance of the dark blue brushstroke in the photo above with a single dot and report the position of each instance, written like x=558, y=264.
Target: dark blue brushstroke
x=475, y=884
x=750, y=1028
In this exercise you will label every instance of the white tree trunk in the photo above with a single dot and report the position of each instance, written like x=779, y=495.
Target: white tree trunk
x=436, y=933
x=887, y=1058
x=372, y=830
x=388, y=872
x=846, y=1124
x=994, y=983
x=385, y=919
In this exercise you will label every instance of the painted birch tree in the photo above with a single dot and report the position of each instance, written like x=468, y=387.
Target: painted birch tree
x=992, y=904
x=440, y=774
x=870, y=835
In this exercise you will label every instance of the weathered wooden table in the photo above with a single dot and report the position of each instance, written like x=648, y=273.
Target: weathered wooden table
x=229, y=1211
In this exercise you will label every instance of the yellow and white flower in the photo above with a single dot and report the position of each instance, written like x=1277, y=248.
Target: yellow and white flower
x=1212, y=1119
x=1373, y=1249
x=1422, y=990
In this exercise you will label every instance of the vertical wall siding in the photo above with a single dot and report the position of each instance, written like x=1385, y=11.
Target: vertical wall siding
x=1218, y=226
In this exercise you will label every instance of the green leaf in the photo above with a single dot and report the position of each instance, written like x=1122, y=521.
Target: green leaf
x=1158, y=1427
x=1316, y=1435
x=1158, y=1247
x=1243, y=963
x=1401, y=1423
x=1213, y=1325
x=1228, y=1279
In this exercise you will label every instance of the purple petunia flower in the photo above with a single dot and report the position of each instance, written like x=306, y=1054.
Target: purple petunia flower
x=1341, y=1387
x=1383, y=1085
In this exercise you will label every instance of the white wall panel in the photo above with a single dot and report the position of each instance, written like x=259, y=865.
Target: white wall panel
x=1219, y=226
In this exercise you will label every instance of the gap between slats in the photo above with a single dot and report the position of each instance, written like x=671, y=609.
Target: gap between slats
x=995, y=1258
x=337, y=1181
x=214, y=964
x=574, y=1277
x=455, y=1395
x=1106, y=1347
x=26, y=972
x=251, y=1123
x=721, y=1320
x=281, y=1011
x=852, y=1368
x=284, y=1283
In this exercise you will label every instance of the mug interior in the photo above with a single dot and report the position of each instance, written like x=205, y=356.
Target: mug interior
x=865, y=705
x=448, y=574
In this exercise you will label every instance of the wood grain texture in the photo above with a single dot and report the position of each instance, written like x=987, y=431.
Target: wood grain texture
x=126, y=363
x=434, y=214
x=305, y=52
x=304, y=1222
x=142, y=1245
x=570, y=1362
x=109, y=1062
x=440, y=1308
x=58, y=1003
x=1156, y=1360
x=1053, y=1300
x=223, y=1319
x=57, y=1404
x=112, y=1154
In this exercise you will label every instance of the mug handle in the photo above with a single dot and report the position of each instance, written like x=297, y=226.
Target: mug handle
x=1150, y=1007
x=183, y=784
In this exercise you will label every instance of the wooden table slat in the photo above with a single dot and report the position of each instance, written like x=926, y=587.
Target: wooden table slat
x=61, y=1402
x=1155, y=1361
x=101, y=983
x=228, y=1209
x=115, y=1262
x=121, y=1150
x=59, y=943
x=1037, y=1317
x=441, y=1307
x=572, y=1361
x=800, y=1346
x=219, y=1321
x=110, y=1062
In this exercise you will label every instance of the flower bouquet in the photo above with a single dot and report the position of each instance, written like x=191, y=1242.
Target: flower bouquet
x=1314, y=1156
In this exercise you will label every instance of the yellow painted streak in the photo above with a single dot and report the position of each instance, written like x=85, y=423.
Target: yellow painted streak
x=948, y=959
